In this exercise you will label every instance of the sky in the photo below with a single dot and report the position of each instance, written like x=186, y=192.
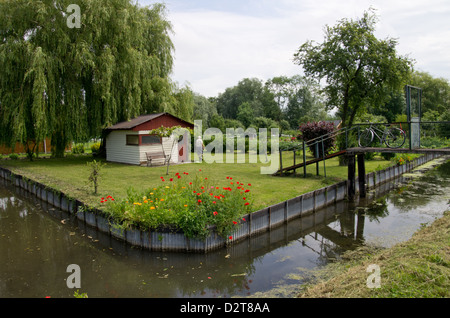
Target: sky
x=220, y=42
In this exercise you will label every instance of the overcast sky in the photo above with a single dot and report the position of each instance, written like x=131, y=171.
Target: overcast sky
x=219, y=42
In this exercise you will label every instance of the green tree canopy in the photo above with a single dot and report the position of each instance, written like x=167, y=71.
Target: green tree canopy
x=435, y=92
x=69, y=82
x=359, y=69
x=249, y=90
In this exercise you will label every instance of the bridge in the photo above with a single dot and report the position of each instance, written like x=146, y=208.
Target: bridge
x=354, y=154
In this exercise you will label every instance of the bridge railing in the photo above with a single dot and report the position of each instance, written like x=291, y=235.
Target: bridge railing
x=440, y=129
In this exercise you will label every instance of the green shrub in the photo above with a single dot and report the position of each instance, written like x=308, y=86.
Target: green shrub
x=95, y=148
x=14, y=156
x=78, y=149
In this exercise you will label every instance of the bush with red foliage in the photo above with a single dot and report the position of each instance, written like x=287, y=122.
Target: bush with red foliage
x=311, y=130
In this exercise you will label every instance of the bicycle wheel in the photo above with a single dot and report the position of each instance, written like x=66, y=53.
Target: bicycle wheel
x=395, y=137
x=365, y=138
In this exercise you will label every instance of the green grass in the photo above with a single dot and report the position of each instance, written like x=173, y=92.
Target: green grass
x=70, y=175
x=417, y=268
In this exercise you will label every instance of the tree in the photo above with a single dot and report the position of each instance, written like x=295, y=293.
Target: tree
x=245, y=114
x=359, y=69
x=298, y=98
x=435, y=91
x=204, y=109
x=68, y=82
x=249, y=90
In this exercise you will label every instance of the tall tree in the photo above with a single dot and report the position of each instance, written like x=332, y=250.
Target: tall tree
x=298, y=97
x=359, y=69
x=249, y=90
x=71, y=81
x=435, y=92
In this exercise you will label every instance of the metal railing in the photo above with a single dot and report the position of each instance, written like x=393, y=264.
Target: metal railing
x=318, y=142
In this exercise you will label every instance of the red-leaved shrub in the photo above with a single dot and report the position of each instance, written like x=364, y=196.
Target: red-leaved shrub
x=313, y=130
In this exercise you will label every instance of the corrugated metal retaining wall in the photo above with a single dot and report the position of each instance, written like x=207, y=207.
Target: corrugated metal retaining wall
x=256, y=222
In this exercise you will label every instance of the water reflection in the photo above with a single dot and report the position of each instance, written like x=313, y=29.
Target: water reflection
x=35, y=248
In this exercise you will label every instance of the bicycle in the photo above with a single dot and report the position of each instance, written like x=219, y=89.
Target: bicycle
x=393, y=137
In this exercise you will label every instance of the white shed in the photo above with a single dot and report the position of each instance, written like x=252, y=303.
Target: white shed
x=129, y=141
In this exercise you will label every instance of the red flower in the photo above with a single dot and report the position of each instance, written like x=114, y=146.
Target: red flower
x=171, y=179
x=230, y=237
x=179, y=176
x=214, y=202
x=244, y=198
x=247, y=190
x=246, y=203
x=199, y=201
x=199, y=193
x=215, y=213
x=234, y=222
x=250, y=184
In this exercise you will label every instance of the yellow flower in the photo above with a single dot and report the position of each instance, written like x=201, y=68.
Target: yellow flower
x=151, y=193
x=185, y=205
x=145, y=201
x=167, y=187
x=162, y=200
x=152, y=208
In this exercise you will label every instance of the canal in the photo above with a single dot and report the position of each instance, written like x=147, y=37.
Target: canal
x=38, y=243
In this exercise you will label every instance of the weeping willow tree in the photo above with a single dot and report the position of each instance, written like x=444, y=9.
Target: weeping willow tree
x=69, y=83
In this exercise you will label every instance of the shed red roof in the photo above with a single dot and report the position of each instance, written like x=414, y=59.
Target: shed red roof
x=151, y=121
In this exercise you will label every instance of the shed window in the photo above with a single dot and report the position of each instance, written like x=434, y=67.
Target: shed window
x=133, y=140
x=150, y=139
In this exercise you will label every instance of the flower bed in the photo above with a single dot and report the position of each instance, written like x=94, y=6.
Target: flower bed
x=192, y=205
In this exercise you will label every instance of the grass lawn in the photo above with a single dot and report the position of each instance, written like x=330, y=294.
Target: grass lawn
x=70, y=175
x=417, y=268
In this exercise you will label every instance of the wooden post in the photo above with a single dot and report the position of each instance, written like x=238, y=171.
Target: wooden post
x=361, y=175
x=304, y=159
x=351, y=189
x=295, y=170
x=281, y=163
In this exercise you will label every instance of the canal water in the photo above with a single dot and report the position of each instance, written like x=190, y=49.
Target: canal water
x=38, y=243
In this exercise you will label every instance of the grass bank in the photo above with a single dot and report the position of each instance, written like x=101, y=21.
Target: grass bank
x=417, y=268
x=70, y=175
